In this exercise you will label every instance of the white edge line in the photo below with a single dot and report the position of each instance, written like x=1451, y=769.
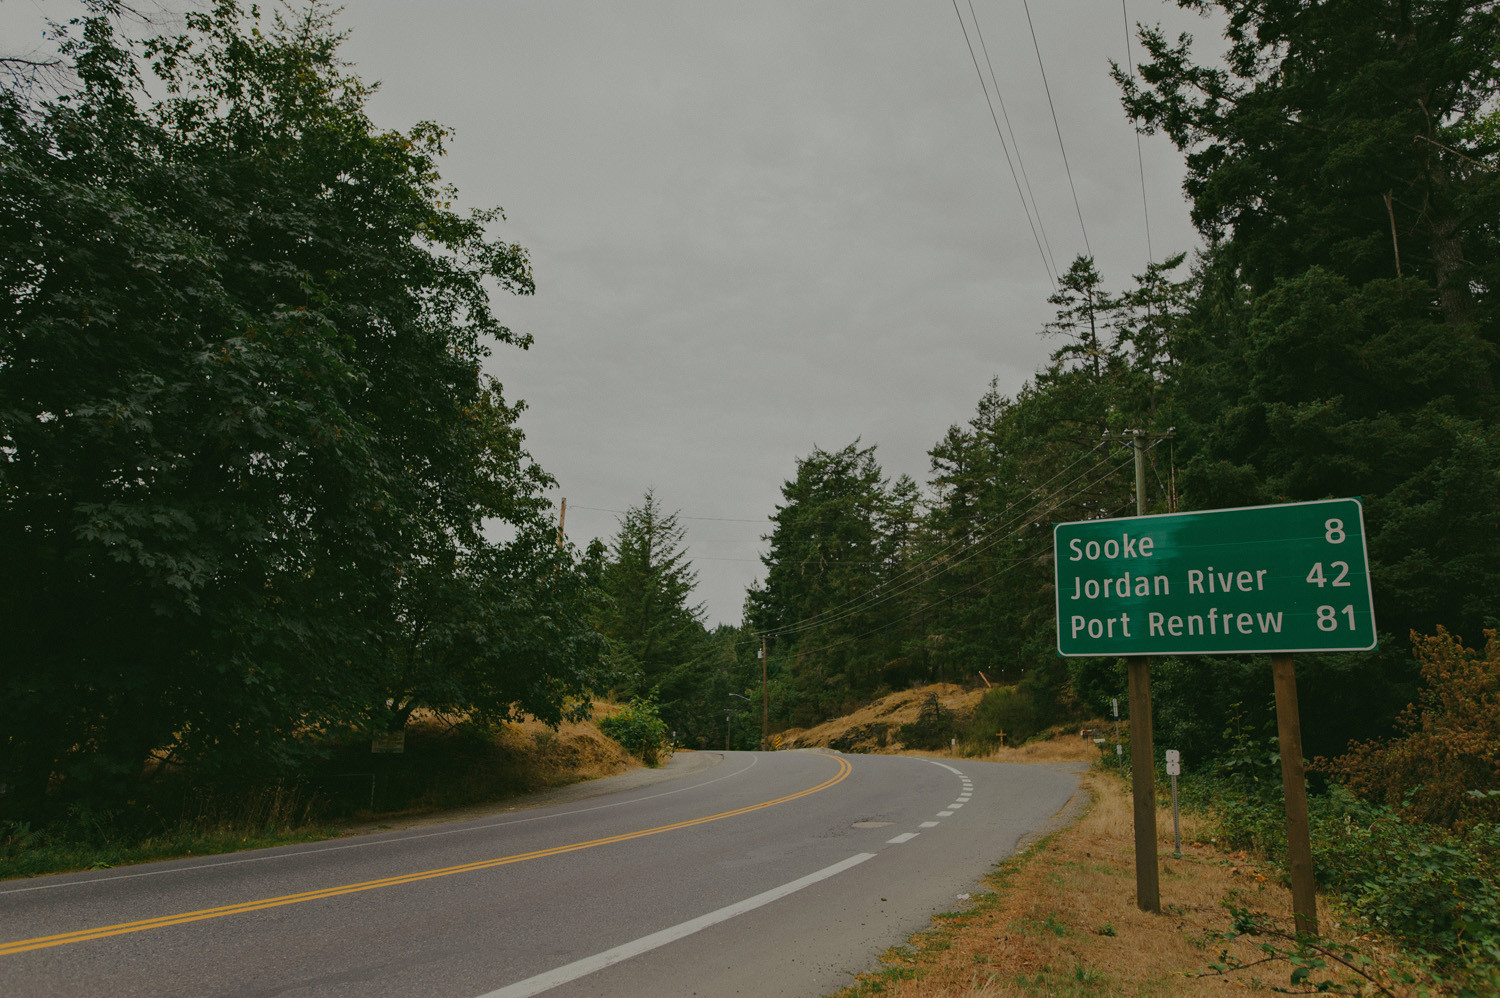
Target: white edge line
x=945, y=766
x=588, y=965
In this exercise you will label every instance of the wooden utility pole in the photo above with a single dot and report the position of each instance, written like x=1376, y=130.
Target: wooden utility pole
x=1142, y=753
x=562, y=515
x=765, y=703
x=1294, y=784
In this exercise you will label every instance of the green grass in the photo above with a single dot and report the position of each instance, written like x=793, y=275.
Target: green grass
x=25, y=853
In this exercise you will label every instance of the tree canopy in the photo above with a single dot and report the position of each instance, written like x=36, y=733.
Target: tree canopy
x=247, y=443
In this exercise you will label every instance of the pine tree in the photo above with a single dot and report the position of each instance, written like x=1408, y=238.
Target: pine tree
x=647, y=582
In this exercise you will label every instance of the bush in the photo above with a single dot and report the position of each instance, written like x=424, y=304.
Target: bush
x=639, y=728
x=1436, y=890
x=1011, y=709
x=932, y=729
x=1444, y=766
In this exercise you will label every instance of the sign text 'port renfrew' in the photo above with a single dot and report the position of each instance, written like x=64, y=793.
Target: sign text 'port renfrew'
x=1287, y=578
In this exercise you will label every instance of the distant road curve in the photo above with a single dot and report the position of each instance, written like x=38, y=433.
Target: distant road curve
x=740, y=873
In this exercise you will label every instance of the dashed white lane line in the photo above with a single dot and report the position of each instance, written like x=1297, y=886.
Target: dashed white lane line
x=903, y=837
x=945, y=814
x=928, y=824
x=588, y=965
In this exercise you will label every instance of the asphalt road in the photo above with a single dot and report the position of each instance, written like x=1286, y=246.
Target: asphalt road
x=741, y=873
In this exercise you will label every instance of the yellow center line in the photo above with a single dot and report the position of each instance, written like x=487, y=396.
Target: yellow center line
x=83, y=935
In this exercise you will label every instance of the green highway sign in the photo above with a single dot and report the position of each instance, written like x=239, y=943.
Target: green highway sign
x=1289, y=578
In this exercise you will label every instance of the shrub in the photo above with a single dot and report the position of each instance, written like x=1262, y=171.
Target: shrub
x=1445, y=763
x=1011, y=709
x=933, y=727
x=1436, y=890
x=639, y=728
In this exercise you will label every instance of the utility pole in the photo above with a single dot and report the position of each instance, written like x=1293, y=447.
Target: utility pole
x=1142, y=753
x=562, y=515
x=765, y=703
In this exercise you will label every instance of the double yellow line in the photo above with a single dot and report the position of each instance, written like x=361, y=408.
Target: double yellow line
x=84, y=935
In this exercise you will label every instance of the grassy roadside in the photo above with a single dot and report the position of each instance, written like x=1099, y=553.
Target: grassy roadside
x=1059, y=919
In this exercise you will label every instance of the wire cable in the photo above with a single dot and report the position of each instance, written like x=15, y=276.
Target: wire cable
x=938, y=602
x=997, y=537
x=1139, y=157
x=1046, y=265
x=878, y=595
x=819, y=618
x=1058, y=128
x=1035, y=204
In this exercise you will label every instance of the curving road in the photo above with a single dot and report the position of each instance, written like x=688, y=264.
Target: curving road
x=740, y=873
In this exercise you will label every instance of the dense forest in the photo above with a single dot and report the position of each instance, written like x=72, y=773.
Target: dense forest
x=1336, y=337
x=251, y=472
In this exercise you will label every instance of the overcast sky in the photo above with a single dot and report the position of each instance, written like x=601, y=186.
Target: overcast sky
x=763, y=227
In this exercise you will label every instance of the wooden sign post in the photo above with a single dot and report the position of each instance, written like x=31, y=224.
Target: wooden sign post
x=1143, y=787
x=1294, y=784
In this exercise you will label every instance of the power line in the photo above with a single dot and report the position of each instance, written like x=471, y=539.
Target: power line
x=984, y=544
x=1139, y=157
x=1046, y=265
x=1035, y=204
x=873, y=598
x=1058, y=128
x=817, y=619
x=925, y=607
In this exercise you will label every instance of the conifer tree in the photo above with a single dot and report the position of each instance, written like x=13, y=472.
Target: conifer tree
x=653, y=629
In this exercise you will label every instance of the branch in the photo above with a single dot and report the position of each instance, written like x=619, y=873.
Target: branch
x=15, y=60
x=1474, y=162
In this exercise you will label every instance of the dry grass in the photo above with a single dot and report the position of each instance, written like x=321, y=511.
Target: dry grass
x=444, y=776
x=1063, y=919
x=573, y=753
x=873, y=727
x=1059, y=745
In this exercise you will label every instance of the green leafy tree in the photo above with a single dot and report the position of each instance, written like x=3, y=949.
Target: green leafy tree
x=1023, y=463
x=1341, y=135
x=240, y=397
x=1341, y=339
x=492, y=630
